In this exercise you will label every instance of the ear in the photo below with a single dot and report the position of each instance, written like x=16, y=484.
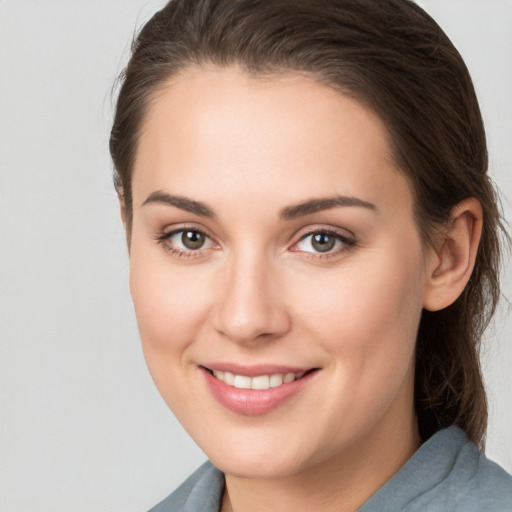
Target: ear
x=451, y=263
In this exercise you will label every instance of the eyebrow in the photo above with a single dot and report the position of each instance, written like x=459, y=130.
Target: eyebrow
x=183, y=203
x=289, y=213
x=324, y=203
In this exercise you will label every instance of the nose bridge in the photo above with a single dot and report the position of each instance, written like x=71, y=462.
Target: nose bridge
x=250, y=304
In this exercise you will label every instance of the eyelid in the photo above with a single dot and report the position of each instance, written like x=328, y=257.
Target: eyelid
x=322, y=228
x=186, y=226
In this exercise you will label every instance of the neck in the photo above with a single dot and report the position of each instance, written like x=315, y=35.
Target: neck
x=342, y=483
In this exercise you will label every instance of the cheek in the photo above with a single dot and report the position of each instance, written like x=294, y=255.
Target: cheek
x=171, y=304
x=171, y=308
x=366, y=314
x=367, y=325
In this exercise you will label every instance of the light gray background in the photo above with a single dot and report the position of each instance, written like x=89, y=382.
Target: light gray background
x=81, y=426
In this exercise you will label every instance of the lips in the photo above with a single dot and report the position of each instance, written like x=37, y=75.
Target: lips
x=255, y=390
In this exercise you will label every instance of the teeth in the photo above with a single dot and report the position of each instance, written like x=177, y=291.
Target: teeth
x=276, y=380
x=259, y=382
x=289, y=377
x=242, y=382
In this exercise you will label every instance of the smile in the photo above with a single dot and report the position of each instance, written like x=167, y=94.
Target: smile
x=259, y=382
x=265, y=389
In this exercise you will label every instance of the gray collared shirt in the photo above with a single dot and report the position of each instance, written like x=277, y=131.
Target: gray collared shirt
x=446, y=474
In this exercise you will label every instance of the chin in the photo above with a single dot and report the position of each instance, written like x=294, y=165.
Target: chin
x=255, y=469
x=255, y=463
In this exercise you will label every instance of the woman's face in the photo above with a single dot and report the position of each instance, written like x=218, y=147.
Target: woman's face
x=274, y=247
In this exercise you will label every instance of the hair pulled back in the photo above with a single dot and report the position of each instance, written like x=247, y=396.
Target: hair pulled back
x=394, y=58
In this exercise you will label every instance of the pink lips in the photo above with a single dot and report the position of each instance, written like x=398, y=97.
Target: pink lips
x=252, y=402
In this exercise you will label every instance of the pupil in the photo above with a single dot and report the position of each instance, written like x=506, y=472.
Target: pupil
x=323, y=243
x=192, y=239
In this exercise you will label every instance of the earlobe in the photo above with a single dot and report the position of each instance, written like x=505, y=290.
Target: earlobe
x=452, y=264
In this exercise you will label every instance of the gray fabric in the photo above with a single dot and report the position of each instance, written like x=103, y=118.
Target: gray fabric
x=200, y=492
x=446, y=474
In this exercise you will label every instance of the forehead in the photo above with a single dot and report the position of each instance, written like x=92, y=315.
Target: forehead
x=211, y=129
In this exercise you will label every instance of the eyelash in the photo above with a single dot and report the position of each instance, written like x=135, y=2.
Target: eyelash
x=347, y=243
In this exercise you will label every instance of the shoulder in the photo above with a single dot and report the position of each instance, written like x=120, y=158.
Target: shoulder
x=447, y=473
x=473, y=483
x=480, y=483
x=200, y=492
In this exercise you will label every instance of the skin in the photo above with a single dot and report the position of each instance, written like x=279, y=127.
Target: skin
x=258, y=291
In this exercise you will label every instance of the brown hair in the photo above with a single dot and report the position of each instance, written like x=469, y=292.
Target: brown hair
x=394, y=58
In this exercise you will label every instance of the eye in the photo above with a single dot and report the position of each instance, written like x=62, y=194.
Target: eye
x=192, y=240
x=323, y=242
x=186, y=242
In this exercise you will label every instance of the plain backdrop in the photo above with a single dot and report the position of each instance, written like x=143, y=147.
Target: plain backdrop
x=82, y=427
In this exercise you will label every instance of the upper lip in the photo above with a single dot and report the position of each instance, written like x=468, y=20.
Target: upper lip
x=255, y=370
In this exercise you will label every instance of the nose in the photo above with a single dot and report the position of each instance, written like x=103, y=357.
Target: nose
x=250, y=306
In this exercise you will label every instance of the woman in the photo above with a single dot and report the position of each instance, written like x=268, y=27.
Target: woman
x=314, y=252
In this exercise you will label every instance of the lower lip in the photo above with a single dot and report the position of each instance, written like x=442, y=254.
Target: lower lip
x=254, y=402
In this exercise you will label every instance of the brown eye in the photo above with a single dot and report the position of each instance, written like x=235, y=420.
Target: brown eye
x=187, y=243
x=323, y=242
x=193, y=240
